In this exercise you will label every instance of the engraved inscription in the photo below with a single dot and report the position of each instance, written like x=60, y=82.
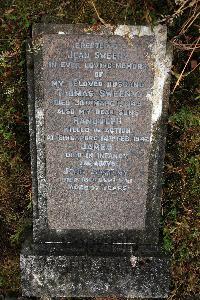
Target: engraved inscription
x=97, y=130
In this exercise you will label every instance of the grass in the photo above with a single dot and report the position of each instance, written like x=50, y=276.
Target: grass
x=181, y=188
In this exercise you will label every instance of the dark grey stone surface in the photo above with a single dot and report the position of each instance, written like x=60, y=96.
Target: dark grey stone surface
x=94, y=276
x=97, y=111
x=78, y=195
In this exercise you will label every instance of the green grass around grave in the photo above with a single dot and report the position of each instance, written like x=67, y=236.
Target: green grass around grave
x=181, y=188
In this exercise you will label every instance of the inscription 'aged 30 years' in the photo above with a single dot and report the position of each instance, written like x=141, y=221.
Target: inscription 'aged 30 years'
x=97, y=130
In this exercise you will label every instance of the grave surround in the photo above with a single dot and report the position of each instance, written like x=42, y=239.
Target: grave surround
x=97, y=108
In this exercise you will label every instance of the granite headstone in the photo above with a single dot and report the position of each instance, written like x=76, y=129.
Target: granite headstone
x=97, y=111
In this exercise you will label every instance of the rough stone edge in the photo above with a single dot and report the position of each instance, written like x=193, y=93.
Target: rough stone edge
x=32, y=125
x=159, y=98
x=162, y=66
x=38, y=160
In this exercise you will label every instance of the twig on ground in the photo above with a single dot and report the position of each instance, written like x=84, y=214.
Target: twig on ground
x=185, y=47
x=181, y=75
x=190, y=21
x=100, y=19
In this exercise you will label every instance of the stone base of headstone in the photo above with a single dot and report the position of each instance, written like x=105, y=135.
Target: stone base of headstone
x=49, y=273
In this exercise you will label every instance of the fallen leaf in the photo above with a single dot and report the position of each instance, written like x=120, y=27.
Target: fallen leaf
x=193, y=63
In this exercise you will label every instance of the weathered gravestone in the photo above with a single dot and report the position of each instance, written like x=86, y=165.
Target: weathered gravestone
x=98, y=100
